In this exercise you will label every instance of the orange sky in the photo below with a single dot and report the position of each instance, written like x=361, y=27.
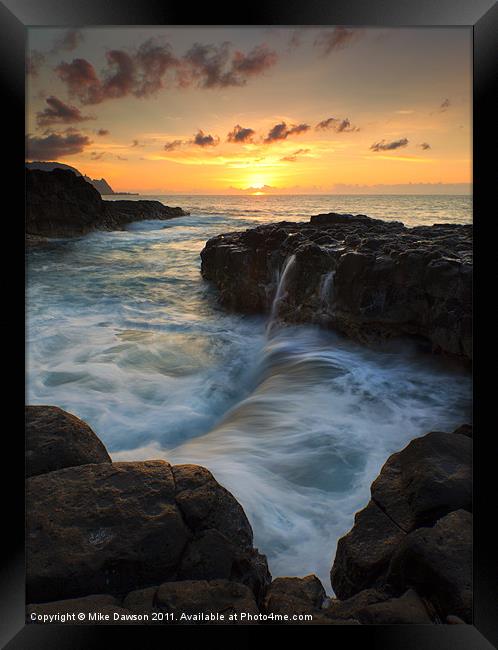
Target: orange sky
x=313, y=109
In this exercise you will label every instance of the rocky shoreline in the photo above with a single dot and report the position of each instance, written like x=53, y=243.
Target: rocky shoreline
x=130, y=539
x=367, y=278
x=61, y=204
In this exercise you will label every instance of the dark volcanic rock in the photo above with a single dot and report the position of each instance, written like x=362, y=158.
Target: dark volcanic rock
x=408, y=609
x=294, y=595
x=363, y=555
x=56, y=439
x=112, y=528
x=437, y=562
x=61, y=204
x=190, y=597
x=103, y=604
x=365, y=277
x=428, y=479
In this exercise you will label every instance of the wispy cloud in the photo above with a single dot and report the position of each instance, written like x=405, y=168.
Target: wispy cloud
x=338, y=38
x=57, y=112
x=338, y=125
x=388, y=146
x=281, y=131
x=294, y=156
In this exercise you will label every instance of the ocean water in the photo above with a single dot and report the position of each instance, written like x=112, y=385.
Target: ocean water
x=295, y=421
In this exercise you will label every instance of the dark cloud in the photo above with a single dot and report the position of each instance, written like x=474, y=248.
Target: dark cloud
x=205, y=140
x=102, y=132
x=336, y=39
x=240, y=134
x=174, y=144
x=34, y=62
x=388, y=146
x=153, y=60
x=68, y=41
x=338, y=125
x=55, y=146
x=281, y=131
x=445, y=105
x=57, y=112
x=424, y=145
x=144, y=72
x=136, y=143
x=293, y=156
x=82, y=80
x=214, y=66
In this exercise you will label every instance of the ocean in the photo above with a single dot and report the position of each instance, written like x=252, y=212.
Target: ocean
x=123, y=332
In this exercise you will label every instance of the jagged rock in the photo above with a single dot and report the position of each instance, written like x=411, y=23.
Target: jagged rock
x=190, y=597
x=348, y=609
x=68, y=610
x=408, y=609
x=363, y=555
x=428, y=479
x=437, y=562
x=294, y=595
x=56, y=439
x=61, y=204
x=113, y=528
x=388, y=280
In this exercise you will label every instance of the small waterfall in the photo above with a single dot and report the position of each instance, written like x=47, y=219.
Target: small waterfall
x=326, y=290
x=281, y=291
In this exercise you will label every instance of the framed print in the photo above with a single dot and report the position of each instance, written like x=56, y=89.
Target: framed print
x=249, y=322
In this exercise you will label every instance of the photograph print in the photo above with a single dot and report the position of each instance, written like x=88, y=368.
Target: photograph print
x=249, y=325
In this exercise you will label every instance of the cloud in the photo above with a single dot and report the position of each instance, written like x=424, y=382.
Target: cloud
x=240, y=134
x=143, y=72
x=102, y=132
x=68, y=41
x=34, y=62
x=445, y=105
x=136, y=143
x=55, y=146
x=57, y=112
x=281, y=131
x=214, y=66
x=337, y=39
x=174, y=144
x=388, y=146
x=295, y=39
x=338, y=125
x=424, y=145
x=293, y=156
x=203, y=140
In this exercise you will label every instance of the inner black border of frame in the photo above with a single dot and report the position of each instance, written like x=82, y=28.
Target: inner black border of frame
x=483, y=16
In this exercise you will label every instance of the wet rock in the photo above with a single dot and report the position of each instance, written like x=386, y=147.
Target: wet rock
x=429, y=478
x=408, y=609
x=437, y=562
x=363, y=555
x=294, y=595
x=389, y=280
x=56, y=439
x=190, y=597
x=114, y=528
x=348, y=609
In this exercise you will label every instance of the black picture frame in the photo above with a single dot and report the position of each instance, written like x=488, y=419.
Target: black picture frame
x=15, y=17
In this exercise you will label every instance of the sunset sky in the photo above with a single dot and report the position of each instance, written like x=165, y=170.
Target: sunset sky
x=254, y=110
